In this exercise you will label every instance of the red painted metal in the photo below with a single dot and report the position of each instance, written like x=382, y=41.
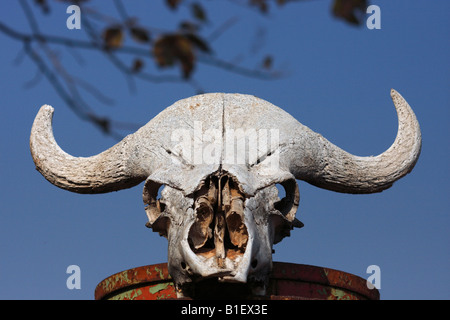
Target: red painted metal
x=288, y=281
x=151, y=282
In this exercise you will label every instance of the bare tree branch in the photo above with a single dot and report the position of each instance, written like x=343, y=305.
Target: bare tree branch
x=182, y=47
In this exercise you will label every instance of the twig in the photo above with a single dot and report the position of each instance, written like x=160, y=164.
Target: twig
x=67, y=86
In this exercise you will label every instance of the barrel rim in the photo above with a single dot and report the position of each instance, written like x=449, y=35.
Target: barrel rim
x=158, y=273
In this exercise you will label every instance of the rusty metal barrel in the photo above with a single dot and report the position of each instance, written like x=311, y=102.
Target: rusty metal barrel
x=288, y=281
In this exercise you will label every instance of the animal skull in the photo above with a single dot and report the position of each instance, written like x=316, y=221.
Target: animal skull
x=219, y=207
x=219, y=230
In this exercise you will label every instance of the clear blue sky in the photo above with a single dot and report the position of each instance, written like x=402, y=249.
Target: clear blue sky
x=338, y=84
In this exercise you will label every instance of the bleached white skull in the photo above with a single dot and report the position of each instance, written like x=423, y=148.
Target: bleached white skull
x=211, y=165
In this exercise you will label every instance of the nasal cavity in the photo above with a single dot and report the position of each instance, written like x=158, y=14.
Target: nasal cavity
x=219, y=229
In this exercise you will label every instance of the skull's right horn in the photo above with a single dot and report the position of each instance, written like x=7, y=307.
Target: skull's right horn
x=321, y=163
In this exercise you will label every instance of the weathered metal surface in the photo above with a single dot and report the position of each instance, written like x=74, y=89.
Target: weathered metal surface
x=288, y=281
x=312, y=282
x=151, y=282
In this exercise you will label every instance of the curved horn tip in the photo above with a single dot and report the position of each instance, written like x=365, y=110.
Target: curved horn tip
x=45, y=112
x=47, y=108
x=396, y=95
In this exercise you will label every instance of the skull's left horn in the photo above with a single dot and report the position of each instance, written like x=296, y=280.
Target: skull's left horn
x=111, y=170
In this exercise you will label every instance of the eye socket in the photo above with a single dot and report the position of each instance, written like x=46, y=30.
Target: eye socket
x=158, y=195
x=281, y=191
x=283, y=204
x=152, y=194
x=289, y=198
x=154, y=208
x=152, y=190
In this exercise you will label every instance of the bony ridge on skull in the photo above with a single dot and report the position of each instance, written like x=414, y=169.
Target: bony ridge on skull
x=222, y=217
